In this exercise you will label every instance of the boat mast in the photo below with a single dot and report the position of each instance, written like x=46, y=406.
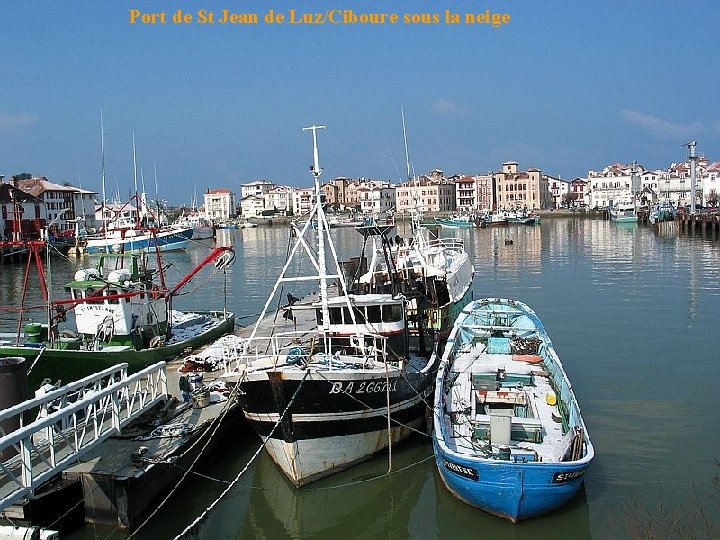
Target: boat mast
x=102, y=172
x=407, y=156
x=321, y=223
x=137, y=200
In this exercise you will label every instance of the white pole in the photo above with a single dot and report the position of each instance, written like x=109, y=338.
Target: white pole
x=321, y=224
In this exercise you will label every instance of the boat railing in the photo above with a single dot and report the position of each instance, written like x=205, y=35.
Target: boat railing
x=50, y=444
x=286, y=348
x=448, y=243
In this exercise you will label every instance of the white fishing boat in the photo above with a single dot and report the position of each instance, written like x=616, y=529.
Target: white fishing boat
x=336, y=379
x=624, y=212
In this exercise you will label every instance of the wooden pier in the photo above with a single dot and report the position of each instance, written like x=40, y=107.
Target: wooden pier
x=706, y=225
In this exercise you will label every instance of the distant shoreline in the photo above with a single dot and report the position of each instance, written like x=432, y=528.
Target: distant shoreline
x=271, y=221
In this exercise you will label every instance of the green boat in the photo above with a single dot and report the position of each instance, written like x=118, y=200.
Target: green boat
x=123, y=314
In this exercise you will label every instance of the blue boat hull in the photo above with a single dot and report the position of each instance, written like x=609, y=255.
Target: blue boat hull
x=514, y=491
x=455, y=224
x=168, y=241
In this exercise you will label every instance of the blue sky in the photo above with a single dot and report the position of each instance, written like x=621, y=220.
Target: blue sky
x=566, y=86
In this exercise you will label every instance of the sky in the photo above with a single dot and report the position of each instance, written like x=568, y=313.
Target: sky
x=566, y=86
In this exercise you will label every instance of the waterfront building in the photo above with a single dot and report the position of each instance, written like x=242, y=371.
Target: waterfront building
x=376, y=197
x=351, y=194
x=336, y=191
x=613, y=183
x=63, y=204
x=651, y=183
x=22, y=215
x=302, y=201
x=252, y=206
x=711, y=185
x=257, y=188
x=559, y=190
x=472, y=193
x=521, y=189
x=279, y=199
x=433, y=193
x=465, y=192
x=578, y=189
x=219, y=205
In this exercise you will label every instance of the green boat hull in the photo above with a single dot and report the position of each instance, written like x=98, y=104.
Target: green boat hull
x=66, y=365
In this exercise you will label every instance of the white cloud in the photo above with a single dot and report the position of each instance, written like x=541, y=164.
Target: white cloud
x=16, y=120
x=662, y=128
x=444, y=106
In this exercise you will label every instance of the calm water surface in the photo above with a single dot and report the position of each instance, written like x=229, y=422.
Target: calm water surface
x=635, y=318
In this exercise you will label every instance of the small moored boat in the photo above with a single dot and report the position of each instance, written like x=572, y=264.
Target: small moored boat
x=118, y=311
x=624, y=212
x=459, y=221
x=508, y=435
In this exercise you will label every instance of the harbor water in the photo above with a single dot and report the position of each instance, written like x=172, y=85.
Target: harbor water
x=635, y=319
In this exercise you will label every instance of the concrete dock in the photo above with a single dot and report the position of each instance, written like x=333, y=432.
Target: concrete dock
x=122, y=480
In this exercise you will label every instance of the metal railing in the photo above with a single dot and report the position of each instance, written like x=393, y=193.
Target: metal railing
x=58, y=438
x=269, y=352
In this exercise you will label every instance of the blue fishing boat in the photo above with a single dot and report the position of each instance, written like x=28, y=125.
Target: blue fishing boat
x=508, y=435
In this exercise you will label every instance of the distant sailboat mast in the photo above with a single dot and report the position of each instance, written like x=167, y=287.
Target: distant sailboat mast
x=407, y=155
x=102, y=169
x=135, y=176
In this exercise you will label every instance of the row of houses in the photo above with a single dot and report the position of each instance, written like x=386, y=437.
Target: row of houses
x=509, y=188
x=31, y=204
x=432, y=192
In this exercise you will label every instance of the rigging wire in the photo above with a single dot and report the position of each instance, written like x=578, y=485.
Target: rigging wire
x=202, y=516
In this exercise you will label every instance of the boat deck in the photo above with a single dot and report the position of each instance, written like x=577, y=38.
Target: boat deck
x=489, y=385
x=299, y=330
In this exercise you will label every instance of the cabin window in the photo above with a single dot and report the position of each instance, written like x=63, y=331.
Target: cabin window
x=393, y=313
x=335, y=315
x=359, y=316
x=93, y=297
x=113, y=300
x=373, y=314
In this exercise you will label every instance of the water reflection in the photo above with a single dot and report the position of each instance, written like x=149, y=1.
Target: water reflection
x=634, y=317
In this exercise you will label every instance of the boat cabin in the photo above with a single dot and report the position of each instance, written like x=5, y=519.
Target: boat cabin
x=120, y=309
x=372, y=315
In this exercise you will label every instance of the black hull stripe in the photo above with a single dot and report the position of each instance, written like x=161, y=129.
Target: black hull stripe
x=320, y=397
x=336, y=428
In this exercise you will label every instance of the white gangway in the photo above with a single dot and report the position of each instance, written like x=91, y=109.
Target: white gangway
x=70, y=421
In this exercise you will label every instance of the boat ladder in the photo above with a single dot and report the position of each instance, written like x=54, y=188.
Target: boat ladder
x=71, y=421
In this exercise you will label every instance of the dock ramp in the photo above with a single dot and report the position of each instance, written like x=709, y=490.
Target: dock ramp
x=70, y=421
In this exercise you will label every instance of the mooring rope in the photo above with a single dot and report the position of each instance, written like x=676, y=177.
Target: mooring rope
x=389, y=423
x=214, y=424
x=247, y=466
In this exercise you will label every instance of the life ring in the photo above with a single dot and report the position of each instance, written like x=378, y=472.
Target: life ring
x=155, y=292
